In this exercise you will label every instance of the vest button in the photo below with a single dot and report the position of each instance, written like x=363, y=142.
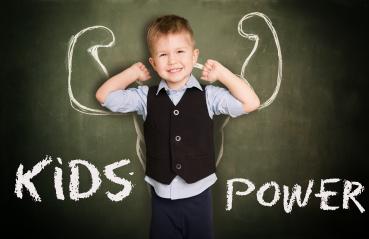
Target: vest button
x=178, y=166
x=176, y=112
x=178, y=138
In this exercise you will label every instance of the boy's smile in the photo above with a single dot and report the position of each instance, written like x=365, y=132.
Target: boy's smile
x=173, y=58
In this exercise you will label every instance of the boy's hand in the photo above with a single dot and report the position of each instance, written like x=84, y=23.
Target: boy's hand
x=242, y=91
x=140, y=71
x=212, y=70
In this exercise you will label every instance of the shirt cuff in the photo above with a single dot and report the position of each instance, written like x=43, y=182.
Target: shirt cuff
x=111, y=99
x=235, y=108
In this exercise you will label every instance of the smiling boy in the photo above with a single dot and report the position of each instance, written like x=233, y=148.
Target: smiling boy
x=178, y=125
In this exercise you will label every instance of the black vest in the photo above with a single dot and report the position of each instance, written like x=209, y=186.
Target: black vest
x=179, y=139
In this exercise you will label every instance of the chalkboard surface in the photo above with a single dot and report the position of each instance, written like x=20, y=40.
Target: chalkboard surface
x=315, y=129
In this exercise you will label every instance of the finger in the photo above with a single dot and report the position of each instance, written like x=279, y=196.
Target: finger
x=208, y=67
x=146, y=78
x=208, y=61
x=210, y=64
x=142, y=67
x=211, y=61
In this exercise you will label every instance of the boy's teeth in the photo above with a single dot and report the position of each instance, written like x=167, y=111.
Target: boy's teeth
x=175, y=70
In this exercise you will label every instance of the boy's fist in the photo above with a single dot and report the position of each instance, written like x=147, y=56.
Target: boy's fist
x=212, y=70
x=141, y=71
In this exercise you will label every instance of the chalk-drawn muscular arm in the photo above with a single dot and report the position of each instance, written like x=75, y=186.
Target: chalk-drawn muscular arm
x=94, y=53
x=213, y=70
x=137, y=71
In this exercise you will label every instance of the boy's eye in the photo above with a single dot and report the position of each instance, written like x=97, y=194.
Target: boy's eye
x=180, y=51
x=162, y=54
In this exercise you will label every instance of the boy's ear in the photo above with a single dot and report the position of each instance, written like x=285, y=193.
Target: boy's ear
x=152, y=62
x=196, y=53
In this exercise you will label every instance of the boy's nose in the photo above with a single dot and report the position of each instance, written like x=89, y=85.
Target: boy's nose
x=171, y=59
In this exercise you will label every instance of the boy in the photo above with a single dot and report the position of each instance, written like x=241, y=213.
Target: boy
x=178, y=126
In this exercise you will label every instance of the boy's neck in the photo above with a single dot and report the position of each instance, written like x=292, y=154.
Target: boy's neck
x=177, y=85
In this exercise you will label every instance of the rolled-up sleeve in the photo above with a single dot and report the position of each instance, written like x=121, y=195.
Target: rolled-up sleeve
x=221, y=101
x=129, y=100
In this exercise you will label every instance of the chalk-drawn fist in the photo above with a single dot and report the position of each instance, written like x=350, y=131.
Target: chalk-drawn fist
x=212, y=70
x=141, y=71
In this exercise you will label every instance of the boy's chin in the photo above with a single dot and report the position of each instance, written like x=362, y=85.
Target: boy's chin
x=178, y=82
x=176, y=79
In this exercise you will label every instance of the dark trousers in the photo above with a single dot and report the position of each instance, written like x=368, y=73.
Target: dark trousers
x=188, y=218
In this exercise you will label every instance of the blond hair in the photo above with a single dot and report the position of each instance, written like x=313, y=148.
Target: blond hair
x=167, y=24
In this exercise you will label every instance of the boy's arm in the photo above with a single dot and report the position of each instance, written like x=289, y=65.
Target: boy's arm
x=137, y=71
x=213, y=70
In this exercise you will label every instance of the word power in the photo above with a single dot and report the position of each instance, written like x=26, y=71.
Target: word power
x=290, y=196
x=23, y=180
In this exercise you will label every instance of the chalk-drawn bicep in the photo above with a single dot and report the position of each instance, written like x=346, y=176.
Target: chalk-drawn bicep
x=255, y=39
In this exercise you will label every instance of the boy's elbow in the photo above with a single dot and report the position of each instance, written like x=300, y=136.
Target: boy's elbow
x=251, y=106
x=100, y=97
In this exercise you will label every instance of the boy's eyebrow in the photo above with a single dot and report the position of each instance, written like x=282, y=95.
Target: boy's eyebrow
x=182, y=47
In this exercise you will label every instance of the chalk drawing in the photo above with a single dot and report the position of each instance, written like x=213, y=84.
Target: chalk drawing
x=24, y=179
x=74, y=192
x=94, y=53
x=58, y=181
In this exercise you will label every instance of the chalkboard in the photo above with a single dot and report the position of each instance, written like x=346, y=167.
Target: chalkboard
x=313, y=133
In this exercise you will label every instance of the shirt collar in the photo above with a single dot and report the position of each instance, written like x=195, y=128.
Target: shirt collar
x=191, y=82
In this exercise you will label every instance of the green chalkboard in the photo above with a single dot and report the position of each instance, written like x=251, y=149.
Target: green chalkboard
x=315, y=129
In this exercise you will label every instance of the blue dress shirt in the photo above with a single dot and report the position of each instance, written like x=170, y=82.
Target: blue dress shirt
x=218, y=100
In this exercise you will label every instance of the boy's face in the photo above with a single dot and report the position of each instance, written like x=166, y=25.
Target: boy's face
x=173, y=58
